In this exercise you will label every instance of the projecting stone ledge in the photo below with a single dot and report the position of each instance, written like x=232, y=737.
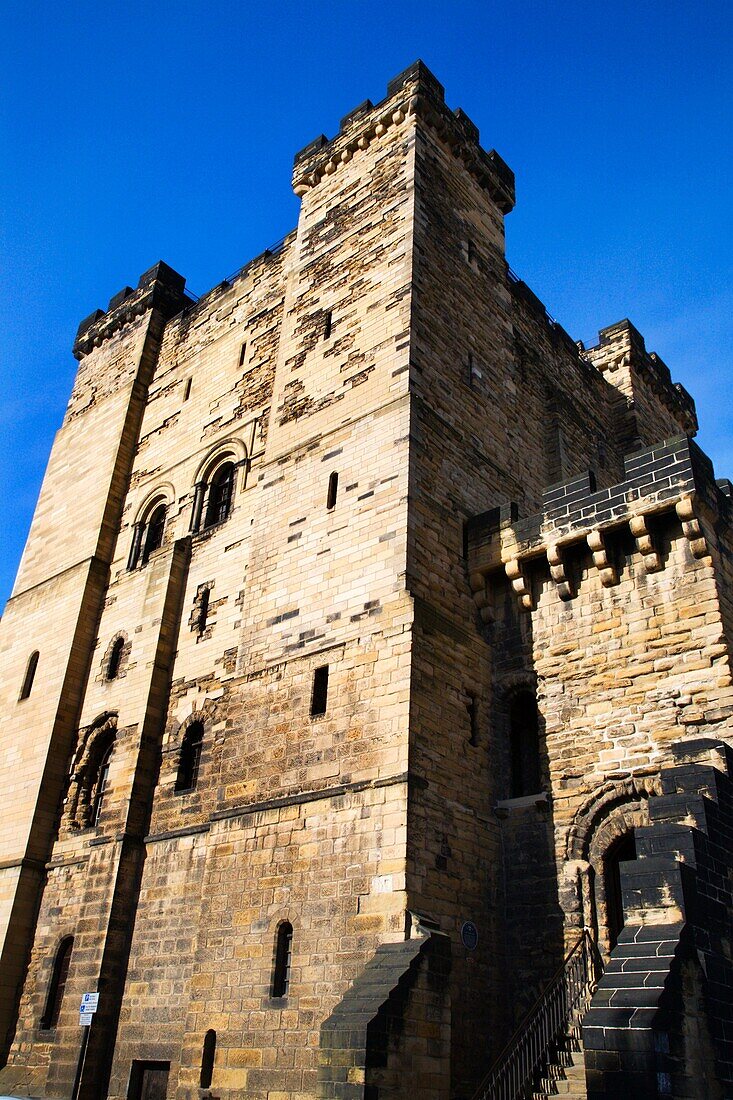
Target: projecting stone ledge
x=673, y=476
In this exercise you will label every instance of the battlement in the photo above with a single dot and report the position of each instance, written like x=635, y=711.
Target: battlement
x=413, y=91
x=621, y=353
x=160, y=287
x=673, y=476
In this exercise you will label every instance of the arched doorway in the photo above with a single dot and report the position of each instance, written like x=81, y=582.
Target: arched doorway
x=620, y=851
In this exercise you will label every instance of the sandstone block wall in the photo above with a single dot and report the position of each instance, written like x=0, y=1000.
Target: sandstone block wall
x=411, y=437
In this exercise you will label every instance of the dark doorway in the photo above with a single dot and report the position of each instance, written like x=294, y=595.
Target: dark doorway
x=149, y=1081
x=620, y=851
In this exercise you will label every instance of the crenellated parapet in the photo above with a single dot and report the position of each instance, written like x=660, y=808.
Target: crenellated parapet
x=159, y=288
x=414, y=92
x=673, y=477
x=623, y=359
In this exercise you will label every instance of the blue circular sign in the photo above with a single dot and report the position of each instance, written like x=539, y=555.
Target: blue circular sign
x=469, y=935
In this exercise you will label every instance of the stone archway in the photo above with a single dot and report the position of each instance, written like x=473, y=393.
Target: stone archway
x=597, y=841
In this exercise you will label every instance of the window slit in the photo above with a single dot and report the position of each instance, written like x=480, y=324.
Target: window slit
x=319, y=697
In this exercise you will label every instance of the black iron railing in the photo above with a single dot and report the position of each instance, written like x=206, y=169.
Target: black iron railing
x=534, y=1043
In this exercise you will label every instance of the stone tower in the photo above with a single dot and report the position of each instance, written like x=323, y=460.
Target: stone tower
x=367, y=667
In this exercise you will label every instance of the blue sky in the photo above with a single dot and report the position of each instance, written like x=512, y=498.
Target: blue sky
x=143, y=131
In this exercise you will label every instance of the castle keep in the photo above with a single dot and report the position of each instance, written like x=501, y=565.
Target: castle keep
x=366, y=683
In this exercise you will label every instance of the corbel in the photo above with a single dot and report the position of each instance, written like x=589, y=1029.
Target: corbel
x=520, y=584
x=481, y=597
x=691, y=528
x=606, y=570
x=644, y=544
x=558, y=573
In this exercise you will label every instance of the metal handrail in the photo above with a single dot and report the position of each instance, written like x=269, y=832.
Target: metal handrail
x=530, y=1048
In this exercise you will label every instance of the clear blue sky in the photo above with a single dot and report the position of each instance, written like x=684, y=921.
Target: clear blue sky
x=142, y=131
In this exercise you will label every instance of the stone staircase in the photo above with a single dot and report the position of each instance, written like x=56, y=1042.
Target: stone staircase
x=565, y=1073
x=545, y=1056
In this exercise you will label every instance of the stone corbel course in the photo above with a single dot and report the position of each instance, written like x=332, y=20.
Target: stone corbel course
x=672, y=477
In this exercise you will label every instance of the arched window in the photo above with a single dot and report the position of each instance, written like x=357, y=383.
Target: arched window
x=58, y=983
x=30, y=675
x=147, y=535
x=524, y=745
x=208, y=1055
x=219, y=500
x=115, y=659
x=622, y=849
x=154, y=532
x=283, y=952
x=190, y=758
x=99, y=786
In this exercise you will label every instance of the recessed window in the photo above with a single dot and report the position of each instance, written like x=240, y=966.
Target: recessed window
x=327, y=324
x=472, y=713
x=242, y=353
x=147, y=535
x=187, y=390
x=333, y=488
x=524, y=745
x=100, y=786
x=283, y=953
x=57, y=984
x=470, y=251
x=203, y=613
x=30, y=675
x=208, y=1056
x=115, y=659
x=219, y=500
x=190, y=759
x=319, y=696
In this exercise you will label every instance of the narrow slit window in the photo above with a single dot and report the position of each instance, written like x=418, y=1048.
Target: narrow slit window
x=470, y=370
x=187, y=390
x=58, y=984
x=327, y=324
x=115, y=659
x=283, y=953
x=470, y=251
x=190, y=758
x=203, y=611
x=333, y=488
x=243, y=353
x=472, y=711
x=319, y=697
x=30, y=675
x=208, y=1056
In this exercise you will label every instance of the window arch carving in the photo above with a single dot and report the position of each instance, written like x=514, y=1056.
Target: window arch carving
x=148, y=531
x=89, y=782
x=215, y=487
x=57, y=985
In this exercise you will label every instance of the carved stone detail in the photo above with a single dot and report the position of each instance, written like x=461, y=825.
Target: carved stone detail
x=513, y=570
x=606, y=570
x=640, y=531
x=558, y=573
x=691, y=527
